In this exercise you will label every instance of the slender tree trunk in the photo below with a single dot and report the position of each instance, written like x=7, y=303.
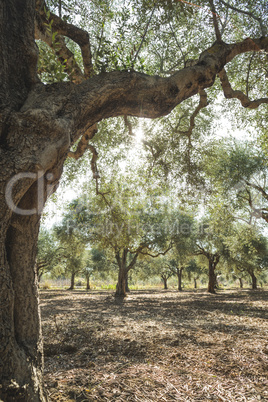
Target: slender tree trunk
x=88, y=283
x=195, y=283
x=241, y=283
x=72, y=281
x=39, y=276
x=165, y=282
x=254, y=281
x=211, y=277
x=179, y=274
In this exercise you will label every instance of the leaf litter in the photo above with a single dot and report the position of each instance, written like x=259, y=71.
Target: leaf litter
x=155, y=346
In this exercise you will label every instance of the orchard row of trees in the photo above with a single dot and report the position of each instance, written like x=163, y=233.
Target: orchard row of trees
x=125, y=221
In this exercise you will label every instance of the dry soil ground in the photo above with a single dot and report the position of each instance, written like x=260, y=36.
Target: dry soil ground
x=156, y=346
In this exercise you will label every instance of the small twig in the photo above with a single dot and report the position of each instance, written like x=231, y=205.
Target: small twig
x=250, y=14
x=248, y=72
x=143, y=36
x=60, y=8
x=215, y=16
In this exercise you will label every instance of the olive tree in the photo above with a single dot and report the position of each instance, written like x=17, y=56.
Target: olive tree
x=41, y=121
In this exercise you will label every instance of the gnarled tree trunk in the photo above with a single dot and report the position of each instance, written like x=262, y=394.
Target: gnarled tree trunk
x=29, y=148
x=20, y=335
x=20, y=330
x=122, y=283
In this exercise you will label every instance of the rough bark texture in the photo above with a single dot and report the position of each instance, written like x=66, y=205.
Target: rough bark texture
x=212, y=279
x=18, y=63
x=121, y=283
x=127, y=286
x=28, y=143
x=38, y=125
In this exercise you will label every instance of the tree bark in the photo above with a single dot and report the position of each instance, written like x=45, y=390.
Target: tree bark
x=72, y=281
x=121, y=283
x=39, y=276
x=21, y=360
x=165, y=282
x=195, y=283
x=179, y=274
x=27, y=146
x=254, y=281
x=127, y=287
x=88, y=283
x=211, y=277
x=18, y=52
x=241, y=283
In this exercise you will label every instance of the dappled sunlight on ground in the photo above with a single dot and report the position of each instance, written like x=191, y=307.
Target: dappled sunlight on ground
x=155, y=346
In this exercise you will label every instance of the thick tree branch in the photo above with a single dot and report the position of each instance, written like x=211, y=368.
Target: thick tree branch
x=76, y=34
x=230, y=93
x=130, y=93
x=65, y=56
x=133, y=262
x=79, y=36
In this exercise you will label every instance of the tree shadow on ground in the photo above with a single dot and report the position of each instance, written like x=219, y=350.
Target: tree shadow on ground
x=186, y=337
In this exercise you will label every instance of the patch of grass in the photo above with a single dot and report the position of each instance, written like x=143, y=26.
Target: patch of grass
x=46, y=286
